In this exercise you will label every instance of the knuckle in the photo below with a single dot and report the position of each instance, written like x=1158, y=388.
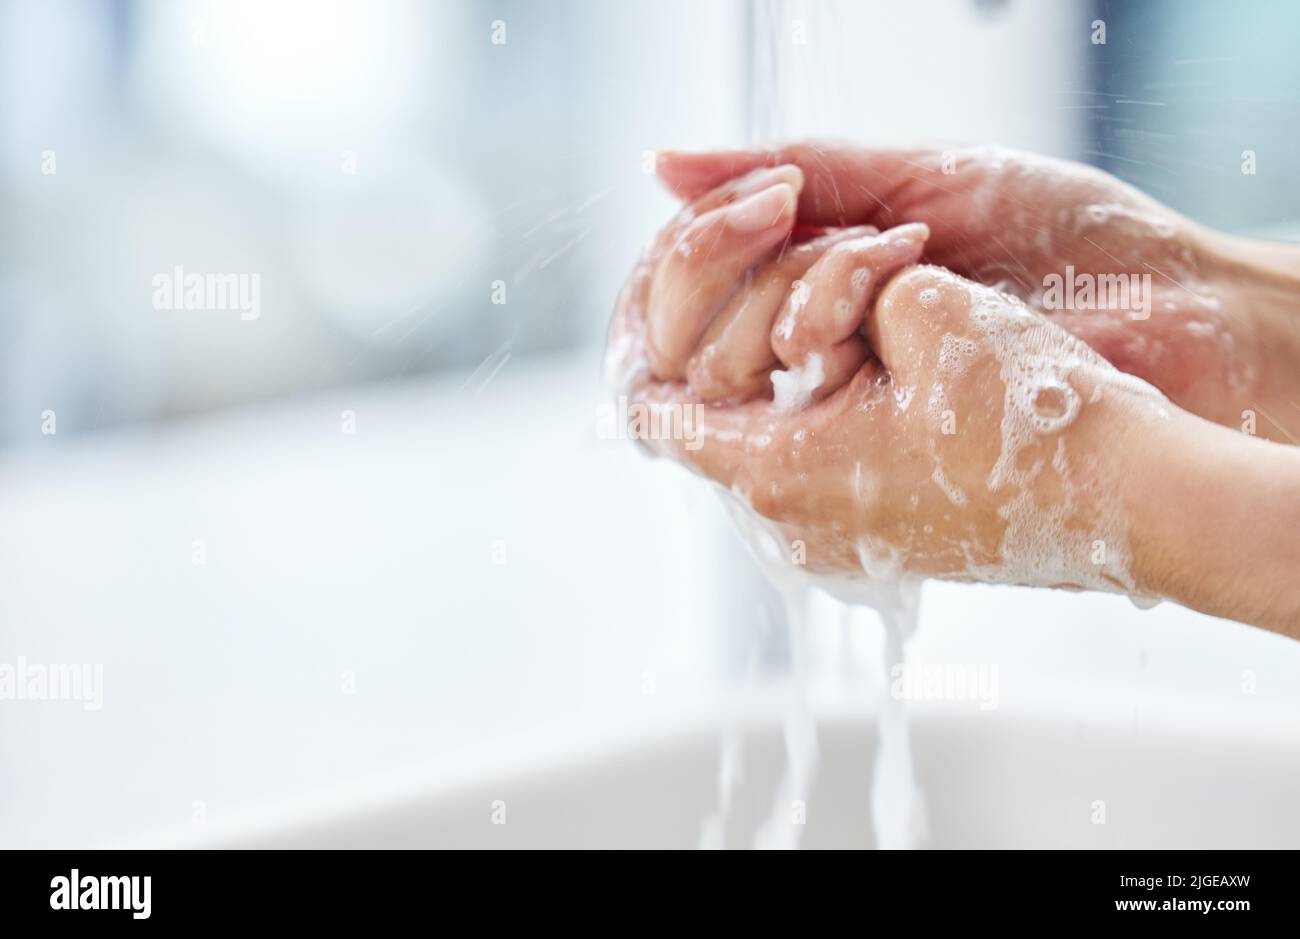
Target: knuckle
x=916, y=287
x=920, y=299
x=717, y=374
x=699, y=238
x=662, y=366
x=787, y=335
x=710, y=375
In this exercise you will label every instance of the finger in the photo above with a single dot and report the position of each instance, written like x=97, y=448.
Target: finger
x=626, y=358
x=735, y=354
x=725, y=192
x=701, y=271
x=844, y=185
x=710, y=440
x=829, y=305
x=818, y=375
x=916, y=310
x=687, y=174
x=818, y=335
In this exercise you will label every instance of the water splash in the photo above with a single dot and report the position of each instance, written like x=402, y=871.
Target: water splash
x=713, y=832
x=897, y=806
x=783, y=828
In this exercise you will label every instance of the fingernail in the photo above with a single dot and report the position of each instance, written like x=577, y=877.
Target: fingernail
x=766, y=176
x=662, y=155
x=764, y=210
x=912, y=231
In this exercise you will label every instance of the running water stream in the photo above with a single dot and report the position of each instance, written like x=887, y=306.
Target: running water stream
x=780, y=44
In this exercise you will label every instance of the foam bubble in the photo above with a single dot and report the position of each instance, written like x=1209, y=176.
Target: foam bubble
x=1076, y=536
x=1055, y=405
x=794, y=387
x=955, y=353
x=950, y=489
x=800, y=292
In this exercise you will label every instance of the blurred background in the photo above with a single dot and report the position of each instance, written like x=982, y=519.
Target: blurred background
x=382, y=165
x=374, y=525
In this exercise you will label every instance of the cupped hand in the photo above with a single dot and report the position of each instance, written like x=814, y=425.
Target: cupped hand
x=1028, y=224
x=974, y=440
x=710, y=303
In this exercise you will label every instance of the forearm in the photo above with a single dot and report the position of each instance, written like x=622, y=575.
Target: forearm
x=1261, y=283
x=1214, y=520
x=1279, y=258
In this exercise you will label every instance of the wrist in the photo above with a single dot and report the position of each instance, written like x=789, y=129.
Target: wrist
x=1213, y=517
x=1260, y=284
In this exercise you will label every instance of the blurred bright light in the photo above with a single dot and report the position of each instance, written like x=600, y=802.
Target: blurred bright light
x=281, y=83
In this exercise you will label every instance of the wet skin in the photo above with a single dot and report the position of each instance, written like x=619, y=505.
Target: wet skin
x=869, y=475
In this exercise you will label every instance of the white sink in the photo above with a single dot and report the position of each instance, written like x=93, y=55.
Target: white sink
x=988, y=783
x=583, y=675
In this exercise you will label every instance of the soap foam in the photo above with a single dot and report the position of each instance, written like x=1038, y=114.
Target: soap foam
x=950, y=489
x=1079, y=537
x=794, y=387
x=955, y=354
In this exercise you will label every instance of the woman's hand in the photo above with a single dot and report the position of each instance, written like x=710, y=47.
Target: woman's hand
x=977, y=441
x=957, y=433
x=1207, y=320
x=703, y=304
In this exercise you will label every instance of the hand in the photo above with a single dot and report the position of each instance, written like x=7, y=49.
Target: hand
x=1205, y=321
x=979, y=442
x=703, y=303
x=1048, y=466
